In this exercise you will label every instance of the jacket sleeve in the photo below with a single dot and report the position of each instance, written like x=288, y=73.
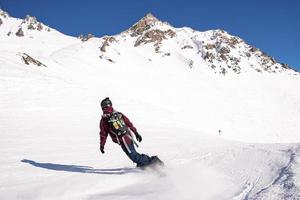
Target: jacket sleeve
x=103, y=133
x=129, y=124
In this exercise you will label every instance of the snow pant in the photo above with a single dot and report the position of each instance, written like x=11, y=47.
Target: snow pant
x=139, y=159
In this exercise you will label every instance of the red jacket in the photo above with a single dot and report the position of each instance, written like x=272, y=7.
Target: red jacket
x=105, y=129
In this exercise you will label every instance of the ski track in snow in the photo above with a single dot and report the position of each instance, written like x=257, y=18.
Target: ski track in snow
x=284, y=185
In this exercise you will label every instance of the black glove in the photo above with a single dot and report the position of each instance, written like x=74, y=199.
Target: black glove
x=102, y=149
x=138, y=137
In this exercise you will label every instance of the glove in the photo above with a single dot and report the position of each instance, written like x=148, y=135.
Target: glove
x=138, y=137
x=102, y=149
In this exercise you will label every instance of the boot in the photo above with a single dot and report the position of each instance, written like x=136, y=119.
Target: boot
x=156, y=161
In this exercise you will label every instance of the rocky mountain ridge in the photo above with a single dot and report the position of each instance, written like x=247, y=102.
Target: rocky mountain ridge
x=216, y=50
x=21, y=27
x=219, y=50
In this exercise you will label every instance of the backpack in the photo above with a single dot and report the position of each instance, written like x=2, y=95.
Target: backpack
x=117, y=124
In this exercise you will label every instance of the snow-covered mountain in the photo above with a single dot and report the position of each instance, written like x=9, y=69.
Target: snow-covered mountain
x=30, y=36
x=215, y=49
x=206, y=102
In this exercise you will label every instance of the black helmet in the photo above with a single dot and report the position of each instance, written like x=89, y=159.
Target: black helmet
x=106, y=103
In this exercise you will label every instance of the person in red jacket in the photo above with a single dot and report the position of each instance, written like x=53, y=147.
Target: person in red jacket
x=119, y=127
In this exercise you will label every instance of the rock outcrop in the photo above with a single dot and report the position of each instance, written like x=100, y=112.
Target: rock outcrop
x=85, y=38
x=23, y=27
x=3, y=14
x=28, y=60
x=32, y=23
x=19, y=33
x=143, y=25
x=220, y=51
x=224, y=52
x=154, y=36
x=107, y=41
x=146, y=31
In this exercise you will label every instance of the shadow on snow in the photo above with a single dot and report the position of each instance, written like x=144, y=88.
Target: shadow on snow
x=81, y=169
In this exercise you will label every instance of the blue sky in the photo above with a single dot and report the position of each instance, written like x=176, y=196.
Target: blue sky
x=271, y=25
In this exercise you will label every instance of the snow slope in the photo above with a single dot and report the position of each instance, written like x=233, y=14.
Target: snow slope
x=49, y=120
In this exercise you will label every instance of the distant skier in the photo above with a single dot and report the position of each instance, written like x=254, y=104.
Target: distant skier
x=117, y=125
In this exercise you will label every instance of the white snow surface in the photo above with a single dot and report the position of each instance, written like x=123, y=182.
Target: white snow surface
x=49, y=123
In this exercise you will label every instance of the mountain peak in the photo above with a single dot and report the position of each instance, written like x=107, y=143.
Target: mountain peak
x=3, y=13
x=21, y=27
x=144, y=24
x=31, y=19
x=150, y=18
x=32, y=23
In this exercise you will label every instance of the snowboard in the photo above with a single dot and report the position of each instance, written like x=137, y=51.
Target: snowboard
x=155, y=164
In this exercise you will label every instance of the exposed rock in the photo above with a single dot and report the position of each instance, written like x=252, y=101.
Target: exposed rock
x=110, y=60
x=29, y=60
x=144, y=24
x=224, y=71
x=265, y=60
x=3, y=14
x=170, y=33
x=219, y=50
x=247, y=54
x=151, y=36
x=31, y=19
x=229, y=52
x=223, y=37
x=1, y=22
x=39, y=27
x=154, y=36
x=253, y=49
x=85, y=38
x=224, y=50
x=273, y=60
x=32, y=23
x=107, y=41
x=223, y=56
x=157, y=47
x=30, y=27
x=144, y=29
x=191, y=63
x=285, y=66
x=20, y=33
x=235, y=61
x=81, y=36
x=219, y=32
x=233, y=41
x=187, y=47
x=106, y=58
x=209, y=46
x=236, y=69
x=209, y=56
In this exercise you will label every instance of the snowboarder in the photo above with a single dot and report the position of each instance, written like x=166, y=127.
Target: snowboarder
x=118, y=126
